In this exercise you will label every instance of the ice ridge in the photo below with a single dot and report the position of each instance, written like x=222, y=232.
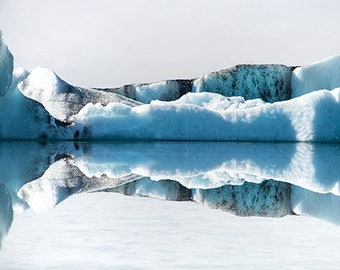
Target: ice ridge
x=242, y=103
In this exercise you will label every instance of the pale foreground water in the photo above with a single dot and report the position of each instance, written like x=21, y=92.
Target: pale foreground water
x=192, y=205
x=111, y=231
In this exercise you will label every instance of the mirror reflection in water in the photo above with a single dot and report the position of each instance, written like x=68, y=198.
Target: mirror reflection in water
x=243, y=179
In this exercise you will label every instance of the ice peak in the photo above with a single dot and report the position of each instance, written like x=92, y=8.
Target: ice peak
x=6, y=67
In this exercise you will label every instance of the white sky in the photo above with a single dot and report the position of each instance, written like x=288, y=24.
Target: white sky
x=107, y=43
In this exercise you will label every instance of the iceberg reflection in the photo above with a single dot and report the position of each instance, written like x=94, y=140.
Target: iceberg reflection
x=245, y=179
x=6, y=212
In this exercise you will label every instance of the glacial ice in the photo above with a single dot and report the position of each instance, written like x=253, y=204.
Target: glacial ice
x=164, y=90
x=268, y=82
x=42, y=106
x=324, y=74
x=61, y=99
x=312, y=117
x=6, y=67
x=24, y=118
x=324, y=207
x=262, y=103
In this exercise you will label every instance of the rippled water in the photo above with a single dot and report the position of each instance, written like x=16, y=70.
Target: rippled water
x=63, y=206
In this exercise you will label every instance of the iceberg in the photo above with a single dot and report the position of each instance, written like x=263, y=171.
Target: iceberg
x=26, y=119
x=61, y=99
x=324, y=74
x=312, y=118
x=268, y=82
x=6, y=67
x=146, y=92
x=242, y=103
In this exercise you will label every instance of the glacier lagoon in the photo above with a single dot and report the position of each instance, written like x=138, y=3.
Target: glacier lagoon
x=149, y=204
x=237, y=168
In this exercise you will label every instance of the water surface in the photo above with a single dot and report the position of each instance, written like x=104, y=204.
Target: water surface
x=46, y=189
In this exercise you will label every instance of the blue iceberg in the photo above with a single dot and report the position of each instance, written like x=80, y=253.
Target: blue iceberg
x=242, y=103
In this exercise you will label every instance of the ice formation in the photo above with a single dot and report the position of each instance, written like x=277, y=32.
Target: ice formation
x=61, y=99
x=24, y=118
x=6, y=67
x=165, y=90
x=261, y=103
x=324, y=74
x=234, y=104
x=208, y=116
x=268, y=82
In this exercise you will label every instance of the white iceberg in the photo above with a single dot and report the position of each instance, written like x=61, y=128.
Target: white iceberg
x=312, y=117
x=324, y=74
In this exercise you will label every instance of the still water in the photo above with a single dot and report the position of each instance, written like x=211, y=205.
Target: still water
x=189, y=205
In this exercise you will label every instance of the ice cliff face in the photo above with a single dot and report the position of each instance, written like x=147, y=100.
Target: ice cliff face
x=24, y=118
x=270, y=198
x=165, y=90
x=323, y=74
x=268, y=82
x=6, y=67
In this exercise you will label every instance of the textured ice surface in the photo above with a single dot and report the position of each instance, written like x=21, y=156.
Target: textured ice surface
x=268, y=82
x=312, y=117
x=165, y=90
x=164, y=189
x=227, y=176
x=324, y=74
x=270, y=198
x=6, y=67
x=324, y=207
x=213, y=164
x=62, y=180
x=6, y=211
x=61, y=99
x=24, y=118
x=183, y=115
